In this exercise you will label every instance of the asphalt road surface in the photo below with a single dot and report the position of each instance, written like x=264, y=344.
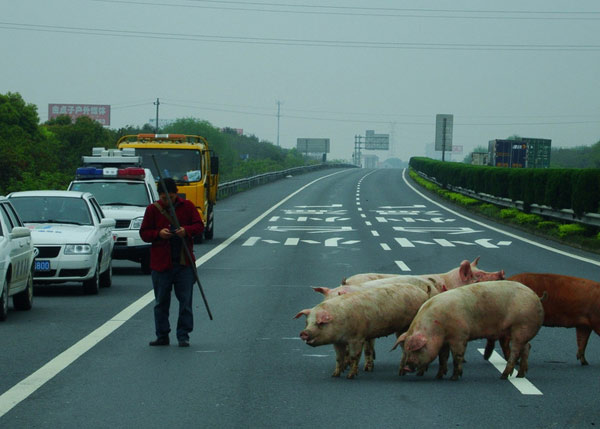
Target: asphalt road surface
x=83, y=361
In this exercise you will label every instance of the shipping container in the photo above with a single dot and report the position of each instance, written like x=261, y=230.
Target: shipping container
x=500, y=152
x=518, y=154
x=538, y=152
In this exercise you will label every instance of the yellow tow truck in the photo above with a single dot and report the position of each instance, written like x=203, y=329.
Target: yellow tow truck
x=189, y=161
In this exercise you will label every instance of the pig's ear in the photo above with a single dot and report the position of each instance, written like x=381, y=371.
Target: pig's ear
x=343, y=281
x=323, y=317
x=415, y=342
x=324, y=290
x=304, y=312
x=399, y=341
x=465, y=271
x=475, y=262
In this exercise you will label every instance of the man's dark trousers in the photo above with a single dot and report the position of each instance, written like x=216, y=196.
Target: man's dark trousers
x=181, y=277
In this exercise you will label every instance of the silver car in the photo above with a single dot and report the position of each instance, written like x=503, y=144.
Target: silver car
x=74, y=239
x=16, y=261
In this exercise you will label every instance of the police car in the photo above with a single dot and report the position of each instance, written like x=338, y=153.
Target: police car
x=16, y=261
x=124, y=190
x=72, y=235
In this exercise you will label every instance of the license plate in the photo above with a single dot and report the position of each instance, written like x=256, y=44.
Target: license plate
x=42, y=265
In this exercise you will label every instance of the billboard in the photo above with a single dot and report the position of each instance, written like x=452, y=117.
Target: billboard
x=443, y=132
x=306, y=145
x=97, y=112
x=376, y=141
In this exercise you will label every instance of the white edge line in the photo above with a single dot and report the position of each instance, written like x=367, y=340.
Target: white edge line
x=30, y=384
x=516, y=237
x=522, y=384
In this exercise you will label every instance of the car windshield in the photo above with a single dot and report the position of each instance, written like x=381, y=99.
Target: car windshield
x=180, y=164
x=116, y=193
x=49, y=209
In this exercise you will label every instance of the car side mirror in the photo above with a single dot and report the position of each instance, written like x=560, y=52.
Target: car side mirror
x=20, y=232
x=108, y=222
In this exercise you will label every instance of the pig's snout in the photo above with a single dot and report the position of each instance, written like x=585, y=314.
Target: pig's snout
x=501, y=275
x=304, y=336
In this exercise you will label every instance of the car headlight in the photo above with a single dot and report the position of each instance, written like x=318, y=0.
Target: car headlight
x=78, y=249
x=136, y=223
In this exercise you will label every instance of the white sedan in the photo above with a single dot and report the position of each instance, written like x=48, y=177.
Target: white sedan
x=16, y=261
x=71, y=234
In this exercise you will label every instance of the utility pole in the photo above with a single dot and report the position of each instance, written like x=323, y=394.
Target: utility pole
x=157, y=103
x=278, y=116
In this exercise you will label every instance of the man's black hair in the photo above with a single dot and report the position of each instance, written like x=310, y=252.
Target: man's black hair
x=170, y=186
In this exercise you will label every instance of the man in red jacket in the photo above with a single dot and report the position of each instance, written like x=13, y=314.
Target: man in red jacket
x=168, y=261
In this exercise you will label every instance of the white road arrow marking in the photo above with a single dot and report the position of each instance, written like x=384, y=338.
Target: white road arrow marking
x=310, y=241
x=466, y=243
x=291, y=242
x=312, y=207
x=350, y=242
x=485, y=242
x=423, y=242
x=332, y=242
x=271, y=241
x=381, y=219
x=310, y=229
x=444, y=243
x=449, y=230
x=504, y=243
x=334, y=218
x=274, y=219
x=416, y=206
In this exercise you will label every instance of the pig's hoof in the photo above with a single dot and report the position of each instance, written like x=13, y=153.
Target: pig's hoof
x=369, y=367
x=350, y=376
x=454, y=377
x=336, y=373
x=520, y=374
x=504, y=376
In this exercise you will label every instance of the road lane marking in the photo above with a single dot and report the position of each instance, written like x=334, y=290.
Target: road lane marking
x=525, y=240
x=385, y=246
x=30, y=384
x=402, y=266
x=375, y=233
x=522, y=384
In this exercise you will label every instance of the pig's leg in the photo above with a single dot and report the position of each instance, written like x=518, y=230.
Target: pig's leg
x=524, y=361
x=505, y=346
x=402, y=370
x=354, y=351
x=340, y=359
x=369, y=354
x=515, y=350
x=458, y=356
x=489, y=348
x=443, y=359
x=583, y=335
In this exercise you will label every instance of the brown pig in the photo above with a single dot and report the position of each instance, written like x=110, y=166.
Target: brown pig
x=348, y=320
x=493, y=310
x=572, y=302
x=466, y=273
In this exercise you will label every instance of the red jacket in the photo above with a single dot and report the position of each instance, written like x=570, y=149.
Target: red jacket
x=154, y=221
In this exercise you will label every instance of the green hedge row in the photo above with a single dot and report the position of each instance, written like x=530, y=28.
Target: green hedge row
x=559, y=188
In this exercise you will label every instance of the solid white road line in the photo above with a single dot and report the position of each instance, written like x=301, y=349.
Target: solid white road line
x=522, y=384
x=27, y=386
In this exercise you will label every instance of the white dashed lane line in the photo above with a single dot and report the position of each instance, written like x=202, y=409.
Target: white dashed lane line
x=522, y=384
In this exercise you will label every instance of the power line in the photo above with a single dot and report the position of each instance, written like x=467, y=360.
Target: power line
x=376, y=12
x=298, y=42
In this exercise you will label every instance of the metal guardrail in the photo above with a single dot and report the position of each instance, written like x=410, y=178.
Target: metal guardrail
x=229, y=188
x=592, y=219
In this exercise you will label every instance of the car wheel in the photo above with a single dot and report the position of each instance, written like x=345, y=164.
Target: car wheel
x=210, y=224
x=24, y=300
x=4, y=302
x=106, y=276
x=145, y=264
x=91, y=286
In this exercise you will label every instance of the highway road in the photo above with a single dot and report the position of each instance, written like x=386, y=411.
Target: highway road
x=84, y=361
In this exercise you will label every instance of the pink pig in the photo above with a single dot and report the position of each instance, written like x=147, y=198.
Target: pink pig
x=348, y=320
x=493, y=310
x=466, y=273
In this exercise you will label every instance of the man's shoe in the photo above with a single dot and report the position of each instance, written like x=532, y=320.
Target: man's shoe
x=184, y=343
x=160, y=341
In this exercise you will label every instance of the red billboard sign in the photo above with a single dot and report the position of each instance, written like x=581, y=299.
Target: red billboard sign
x=98, y=112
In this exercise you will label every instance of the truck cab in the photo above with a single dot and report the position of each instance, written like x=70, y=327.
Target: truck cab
x=123, y=189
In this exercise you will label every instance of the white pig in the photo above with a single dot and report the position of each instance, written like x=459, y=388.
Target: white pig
x=348, y=320
x=493, y=310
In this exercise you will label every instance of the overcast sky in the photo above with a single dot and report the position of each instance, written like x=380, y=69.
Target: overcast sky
x=338, y=68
